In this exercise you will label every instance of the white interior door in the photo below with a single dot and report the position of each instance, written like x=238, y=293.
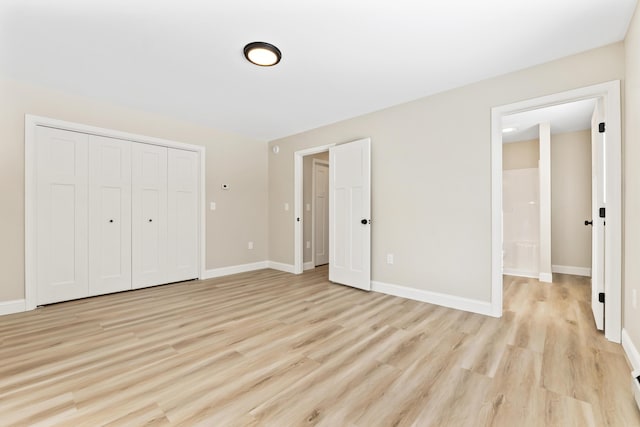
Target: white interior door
x=320, y=212
x=598, y=200
x=182, y=237
x=149, y=215
x=109, y=215
x=62, y=215
x=350, y=214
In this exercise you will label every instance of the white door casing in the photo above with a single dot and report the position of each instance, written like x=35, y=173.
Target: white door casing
x=182, y=215
x=149, y=215
x=320, y=222
x=109, y=215
x=350, y=214
x=597, y=202
x=62, y=215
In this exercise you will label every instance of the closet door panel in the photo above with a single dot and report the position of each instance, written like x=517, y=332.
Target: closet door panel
x=182, y=261
x=109, y=215
x=149, y=208
x=62, y=218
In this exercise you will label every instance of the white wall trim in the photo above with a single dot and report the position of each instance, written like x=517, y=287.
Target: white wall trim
x=546, y=277
x=10, y=307
x=450, y=301
x=631, y=350
x=287, y=268
x=521, y=273
x=30, y=124
x=298, y=244
x=610, y=92
x=309, y=265
x=569, y=269
x=235, y=269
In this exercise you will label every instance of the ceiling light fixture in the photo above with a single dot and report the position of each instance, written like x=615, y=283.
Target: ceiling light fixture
x=262, y=54
x=507, y=130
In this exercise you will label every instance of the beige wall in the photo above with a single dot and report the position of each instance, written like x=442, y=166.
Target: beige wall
x=238, y=161
x=431, y=175
x=307, y=180
x=631, y=181
x=571, y=199
x=520, y=155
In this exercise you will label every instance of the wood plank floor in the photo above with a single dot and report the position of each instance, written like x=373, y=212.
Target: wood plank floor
x=269, y=348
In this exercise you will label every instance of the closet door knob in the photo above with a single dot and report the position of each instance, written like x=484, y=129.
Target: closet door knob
x=150, y=220
x=110, y=220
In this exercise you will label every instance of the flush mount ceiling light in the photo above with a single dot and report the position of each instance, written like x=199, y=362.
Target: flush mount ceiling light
x=507, y=130
x=262, y=54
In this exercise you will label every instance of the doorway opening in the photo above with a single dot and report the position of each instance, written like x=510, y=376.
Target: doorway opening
x=608, y=100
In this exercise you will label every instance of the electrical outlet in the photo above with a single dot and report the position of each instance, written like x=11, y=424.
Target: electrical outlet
x=634, y=299
x=308, y=244
x=250, y=245
x=389, y=258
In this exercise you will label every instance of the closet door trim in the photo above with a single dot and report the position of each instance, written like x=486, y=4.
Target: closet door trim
x=31, y=124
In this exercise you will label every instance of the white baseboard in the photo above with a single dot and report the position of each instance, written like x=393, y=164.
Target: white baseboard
x=287, y=268
x=520, y=273
x=631, y=350
x=451, y=301
x=568, y=269
x=234, y=269
x=546, y=277
x=308, y=265
x=14, y=306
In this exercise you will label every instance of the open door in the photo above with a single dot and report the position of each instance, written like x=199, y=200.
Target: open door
x=598, y=201
x=350, y=214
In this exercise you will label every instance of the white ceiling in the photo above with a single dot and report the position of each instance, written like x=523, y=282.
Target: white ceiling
x=340, y=58
x=569, y=117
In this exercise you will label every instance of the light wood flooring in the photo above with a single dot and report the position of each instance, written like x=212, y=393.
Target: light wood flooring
x=269, y=348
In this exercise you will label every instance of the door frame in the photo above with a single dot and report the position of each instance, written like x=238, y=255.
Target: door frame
x=298, y=246
x=313, y=206
x=610, y=93
x=30, y=188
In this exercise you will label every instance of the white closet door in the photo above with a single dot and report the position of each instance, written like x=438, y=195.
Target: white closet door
x=62, y=220
x=109, y=215
x=182, y=248
x=149, y=215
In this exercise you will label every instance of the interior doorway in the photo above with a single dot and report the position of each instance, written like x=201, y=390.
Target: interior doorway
x=609, y=94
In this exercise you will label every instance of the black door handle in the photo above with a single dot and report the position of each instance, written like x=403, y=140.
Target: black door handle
x=364, y=221
x=587, y=222
x=150, y=220
x=110, y=220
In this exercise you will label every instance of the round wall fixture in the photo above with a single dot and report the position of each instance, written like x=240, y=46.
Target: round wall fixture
x=275, y=149
x=262, y=54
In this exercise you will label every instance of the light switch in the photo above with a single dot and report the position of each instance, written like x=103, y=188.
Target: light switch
x=308, y=244
x=286, y=206
x=250, y=245
x=308, y=207
x=212, y=206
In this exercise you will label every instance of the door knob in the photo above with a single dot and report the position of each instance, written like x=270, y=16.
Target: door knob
x=587, y=222
x=110, y=220
x=364, y=221
x=150, y=220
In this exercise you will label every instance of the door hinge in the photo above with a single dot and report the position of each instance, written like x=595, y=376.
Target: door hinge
x=601, y=297
x=601, y=127
x=602, y=212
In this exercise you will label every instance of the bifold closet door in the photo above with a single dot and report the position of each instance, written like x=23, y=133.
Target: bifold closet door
x=182, y=249
x=62, y=215
x=149, y=215
x=109, y=215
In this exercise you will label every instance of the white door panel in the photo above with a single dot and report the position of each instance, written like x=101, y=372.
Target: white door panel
x=321, y=213
x=350, y=213
x=182, y=215
x=597, y=202
x=109, y=215
x=149, y=215
x=62, y=219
